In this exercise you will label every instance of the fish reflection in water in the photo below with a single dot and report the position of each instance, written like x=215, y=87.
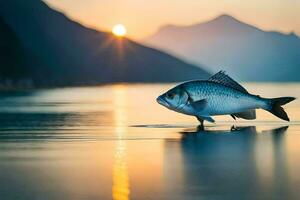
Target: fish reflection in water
x=229, y=164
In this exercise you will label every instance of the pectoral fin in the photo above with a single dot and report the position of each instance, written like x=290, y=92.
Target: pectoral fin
x=233, y=116
x=208, y=118
x=249, y=114
x=199, y=105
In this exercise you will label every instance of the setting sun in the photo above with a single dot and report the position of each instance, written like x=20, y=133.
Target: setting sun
x=119, y=30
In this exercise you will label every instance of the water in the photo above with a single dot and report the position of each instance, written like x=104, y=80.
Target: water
x=116, y=142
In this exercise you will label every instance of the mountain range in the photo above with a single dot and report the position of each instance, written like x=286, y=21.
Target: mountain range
x=42, y=47
x=225, y=43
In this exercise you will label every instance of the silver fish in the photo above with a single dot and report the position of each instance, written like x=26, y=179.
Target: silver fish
x=219, y=95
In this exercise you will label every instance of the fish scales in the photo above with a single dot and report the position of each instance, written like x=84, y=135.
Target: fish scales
x=219, y=95
x=221, y=99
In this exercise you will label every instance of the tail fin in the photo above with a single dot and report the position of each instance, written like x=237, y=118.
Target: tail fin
x=276, y=109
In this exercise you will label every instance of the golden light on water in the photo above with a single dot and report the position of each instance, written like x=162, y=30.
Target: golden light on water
x=120, y=189
x=119, y=30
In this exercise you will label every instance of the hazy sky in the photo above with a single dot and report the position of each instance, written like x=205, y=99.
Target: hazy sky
x=143, y=18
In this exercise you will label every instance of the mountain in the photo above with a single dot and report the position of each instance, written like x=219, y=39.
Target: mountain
x=244, y=51
x=42, y=47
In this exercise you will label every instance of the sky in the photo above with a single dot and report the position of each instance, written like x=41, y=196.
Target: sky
x=143, y=18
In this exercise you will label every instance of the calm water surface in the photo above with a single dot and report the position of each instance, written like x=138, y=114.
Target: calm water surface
x=116, y=142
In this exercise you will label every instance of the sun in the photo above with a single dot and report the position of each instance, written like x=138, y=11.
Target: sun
x=119, y=30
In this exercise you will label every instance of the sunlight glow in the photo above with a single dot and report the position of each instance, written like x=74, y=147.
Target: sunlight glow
x=119, y=30
x=120, y=189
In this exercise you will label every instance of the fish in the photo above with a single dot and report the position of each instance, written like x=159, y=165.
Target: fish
x=220, y=95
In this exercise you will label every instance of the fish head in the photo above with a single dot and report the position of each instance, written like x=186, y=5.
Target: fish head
x=173, y=99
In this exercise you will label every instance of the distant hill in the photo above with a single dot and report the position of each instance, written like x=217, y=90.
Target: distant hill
x=42, y=47
x=244, y=51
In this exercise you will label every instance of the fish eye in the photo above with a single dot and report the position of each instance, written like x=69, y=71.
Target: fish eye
x=170, y=95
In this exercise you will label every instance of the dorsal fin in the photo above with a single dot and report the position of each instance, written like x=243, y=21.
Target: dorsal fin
x=222, y=78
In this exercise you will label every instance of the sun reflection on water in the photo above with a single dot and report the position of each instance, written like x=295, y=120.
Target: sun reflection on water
x=120, y=188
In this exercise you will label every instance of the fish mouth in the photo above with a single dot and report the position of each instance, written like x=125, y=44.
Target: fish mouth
x=162, y=102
